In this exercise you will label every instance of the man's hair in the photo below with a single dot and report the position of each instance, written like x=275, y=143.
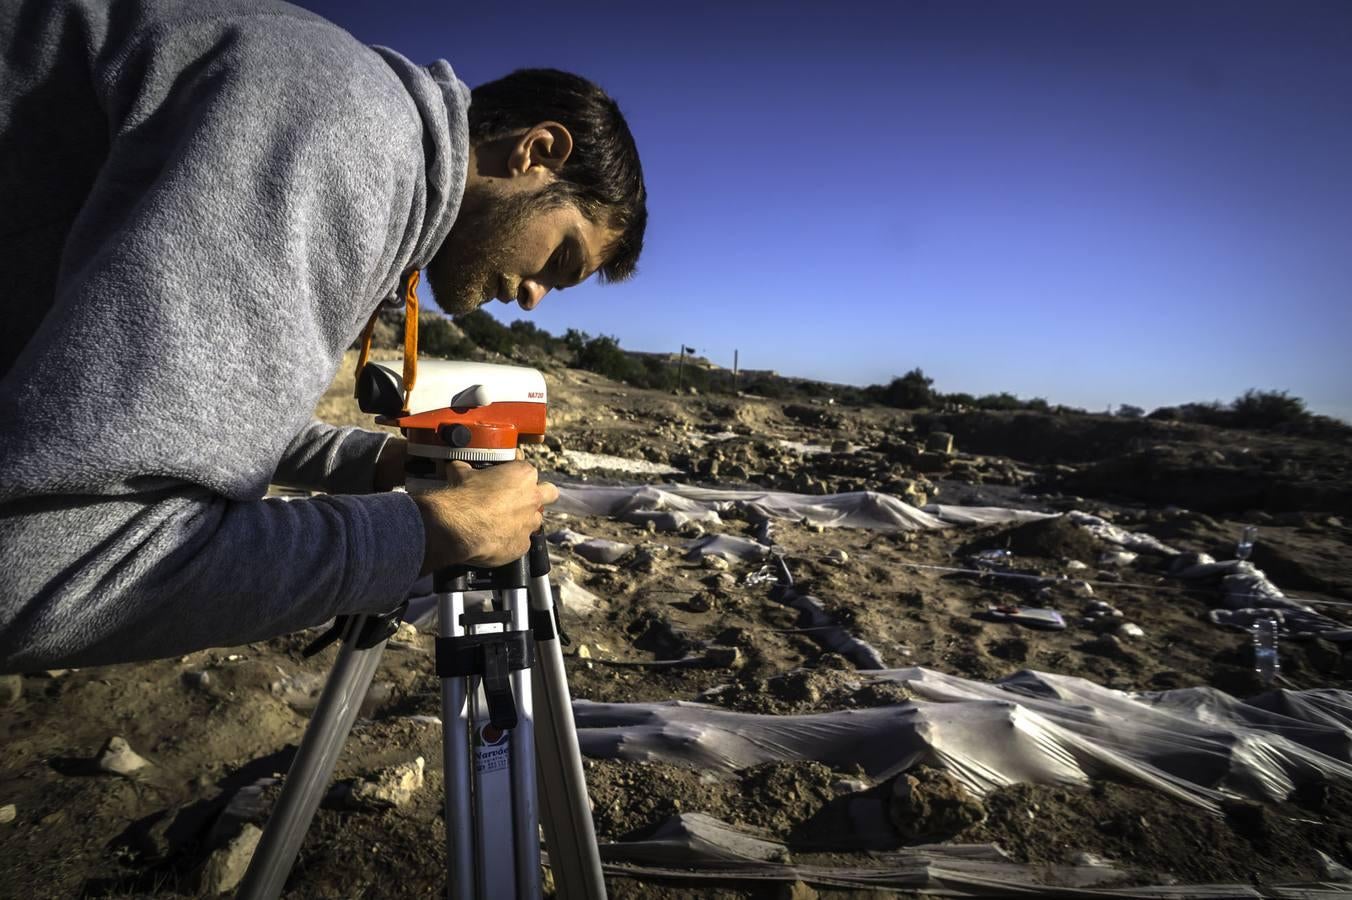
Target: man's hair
x=602, y=175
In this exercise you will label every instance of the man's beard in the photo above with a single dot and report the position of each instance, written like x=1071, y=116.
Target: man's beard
x=464, y=272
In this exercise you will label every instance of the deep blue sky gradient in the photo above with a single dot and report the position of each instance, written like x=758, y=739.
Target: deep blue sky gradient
x=1093, y=202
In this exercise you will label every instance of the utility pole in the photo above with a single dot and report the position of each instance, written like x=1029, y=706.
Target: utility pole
x=734, y=371
x=680, y=367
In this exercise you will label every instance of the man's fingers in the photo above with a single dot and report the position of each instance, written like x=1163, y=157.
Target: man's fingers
x=456, y=471
x=548, y=493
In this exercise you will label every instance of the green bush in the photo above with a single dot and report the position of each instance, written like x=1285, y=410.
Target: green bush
x=603, y=355
x=438, y=337
x=910, y=391
x=1003, y=400
x=1267, y=409
x=487, y=332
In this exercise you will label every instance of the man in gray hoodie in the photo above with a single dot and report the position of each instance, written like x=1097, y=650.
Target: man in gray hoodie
x=201, y=206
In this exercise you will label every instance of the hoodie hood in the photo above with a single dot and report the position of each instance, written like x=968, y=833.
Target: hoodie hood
x=442, y=101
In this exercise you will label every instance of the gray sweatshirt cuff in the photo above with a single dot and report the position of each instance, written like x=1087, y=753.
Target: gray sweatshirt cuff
x=394, y=542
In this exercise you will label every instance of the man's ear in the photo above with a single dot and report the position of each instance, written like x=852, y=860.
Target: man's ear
x=548, y=144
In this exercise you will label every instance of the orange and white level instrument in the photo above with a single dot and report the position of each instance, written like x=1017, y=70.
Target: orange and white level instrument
x=477, y=412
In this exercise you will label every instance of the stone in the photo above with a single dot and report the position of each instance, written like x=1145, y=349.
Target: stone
x=692, y=530
x=118, y=757
x=197, y=680
x=391, y=787
x=225, y=867
x=715, y=562
x=11, y=689
x=723, y=657
x=837, y=556
x=643, y=560
x=1130, y=630
x=8, y=813
x=796, y=687
x=1104, y=645
x=720, y=581
x=247, y=805
x=929, y=461
x=300, y=691
x=914, y=494
x=939, y=442
x=931, y=804
x=799, y=890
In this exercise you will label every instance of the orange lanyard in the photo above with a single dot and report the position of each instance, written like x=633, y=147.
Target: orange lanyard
x=410, y=336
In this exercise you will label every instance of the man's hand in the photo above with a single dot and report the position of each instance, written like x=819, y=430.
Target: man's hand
x=484, y=517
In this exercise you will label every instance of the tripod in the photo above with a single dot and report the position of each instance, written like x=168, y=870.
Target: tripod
x=482, y=658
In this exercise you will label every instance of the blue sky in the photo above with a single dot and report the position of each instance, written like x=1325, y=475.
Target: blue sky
x=1093, y=202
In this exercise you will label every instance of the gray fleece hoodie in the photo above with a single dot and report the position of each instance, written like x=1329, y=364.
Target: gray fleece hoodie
x=201, y=204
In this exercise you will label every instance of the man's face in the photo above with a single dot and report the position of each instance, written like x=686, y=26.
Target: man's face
x=514, y=246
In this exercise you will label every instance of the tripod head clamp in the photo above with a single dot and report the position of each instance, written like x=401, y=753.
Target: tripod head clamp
x=476, y=412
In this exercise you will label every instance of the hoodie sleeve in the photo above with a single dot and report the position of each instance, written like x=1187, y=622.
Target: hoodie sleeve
x=260, y=194
x=336, y=459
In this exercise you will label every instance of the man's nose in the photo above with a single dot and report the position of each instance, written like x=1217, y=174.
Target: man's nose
x=532, y=292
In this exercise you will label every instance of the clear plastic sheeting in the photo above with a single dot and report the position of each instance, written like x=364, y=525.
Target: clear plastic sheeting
x=1245, y=588
x=1106, y=531
x=984, y=515
x=1197, y=745
x=703, y=851
x=597, y=550
x=728, y=546
x=672, y=505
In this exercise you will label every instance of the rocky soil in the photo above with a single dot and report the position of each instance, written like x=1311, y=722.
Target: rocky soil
x=152, y=778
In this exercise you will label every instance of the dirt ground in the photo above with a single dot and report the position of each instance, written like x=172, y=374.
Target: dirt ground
x=218, y=721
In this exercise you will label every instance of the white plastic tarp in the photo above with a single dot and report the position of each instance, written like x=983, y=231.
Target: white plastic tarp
x=673, y=505
x=1198, y=745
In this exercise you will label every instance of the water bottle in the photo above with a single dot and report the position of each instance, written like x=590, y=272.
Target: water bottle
x=1244, y=546
x=1266, y=662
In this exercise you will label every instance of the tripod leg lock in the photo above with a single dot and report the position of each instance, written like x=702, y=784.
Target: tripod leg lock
x=377, y=628
x=493, y=657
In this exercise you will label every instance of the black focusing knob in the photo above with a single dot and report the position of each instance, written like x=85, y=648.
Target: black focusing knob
x=455, y=435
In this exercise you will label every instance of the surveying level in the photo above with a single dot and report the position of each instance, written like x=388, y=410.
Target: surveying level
x=509, y=766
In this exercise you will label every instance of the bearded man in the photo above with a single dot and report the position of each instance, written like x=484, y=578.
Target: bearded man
x=204, y=204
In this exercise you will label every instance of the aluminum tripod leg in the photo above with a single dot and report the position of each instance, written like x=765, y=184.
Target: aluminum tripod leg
x=455, y=750
x=564, y=808
x=308, y=778
x=492, y=817
x=525, y=806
